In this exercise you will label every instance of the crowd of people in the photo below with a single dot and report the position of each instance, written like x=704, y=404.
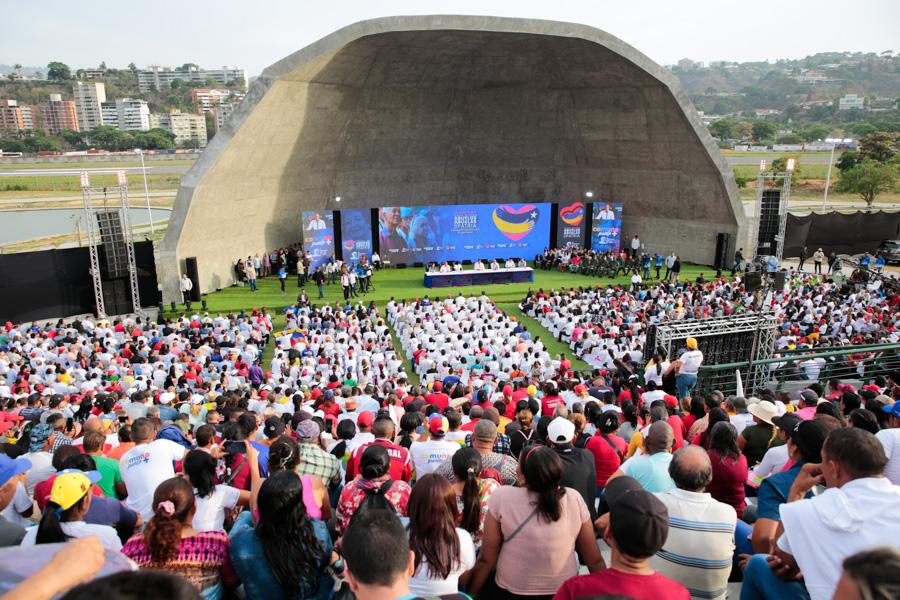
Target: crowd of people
x=603, y=325
x=467, y=338
x=493, y=470
x=632, y=261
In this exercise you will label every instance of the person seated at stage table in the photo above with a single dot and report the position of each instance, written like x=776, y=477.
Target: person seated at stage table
x=509, y=264
x=522, y=264
x=445, y=268
x=457, y=266
x=479, y=265
x=495, y=266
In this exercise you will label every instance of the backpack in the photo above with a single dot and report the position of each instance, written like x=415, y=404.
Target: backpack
x=375, y=499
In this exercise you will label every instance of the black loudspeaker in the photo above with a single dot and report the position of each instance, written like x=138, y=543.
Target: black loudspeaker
x=113, y=238
x=768, y=222
x=117, y=297
x=778, y=279
x=418, y=265
x=400, y=266
x=722, y=241
x=190, y=267
x=753, y=281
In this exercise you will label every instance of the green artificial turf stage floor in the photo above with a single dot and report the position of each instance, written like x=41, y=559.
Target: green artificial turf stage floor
x=407, y=284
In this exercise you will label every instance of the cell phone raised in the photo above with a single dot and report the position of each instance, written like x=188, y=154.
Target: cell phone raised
x=235, y=447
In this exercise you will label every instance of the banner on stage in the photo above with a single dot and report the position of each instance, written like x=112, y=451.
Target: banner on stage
x=606, y=229
x=356, y=234
x=463, y=232
x=318, y=236
x=570, y=225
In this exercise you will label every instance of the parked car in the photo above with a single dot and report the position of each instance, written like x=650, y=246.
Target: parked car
x=890, y=251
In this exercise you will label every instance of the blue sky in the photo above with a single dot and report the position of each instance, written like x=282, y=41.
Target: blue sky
x=255, y=34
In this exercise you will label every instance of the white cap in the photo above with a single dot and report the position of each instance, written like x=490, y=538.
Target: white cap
x=197, y=399
x=561, y=431
x=166, y=397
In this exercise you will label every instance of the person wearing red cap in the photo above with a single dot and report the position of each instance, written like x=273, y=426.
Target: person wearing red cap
x=364, y=421
x=428, y=454
x=438, y=397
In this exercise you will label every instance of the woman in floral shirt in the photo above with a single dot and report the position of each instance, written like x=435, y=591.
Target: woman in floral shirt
x=472, y=492
x=374, y=477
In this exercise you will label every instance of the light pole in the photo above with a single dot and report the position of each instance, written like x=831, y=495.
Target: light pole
x=828, y=175
x=140, y=153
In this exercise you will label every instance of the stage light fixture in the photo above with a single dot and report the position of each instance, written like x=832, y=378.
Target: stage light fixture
x=85, y=179
x=762, y=165
x=589, y=194
x=337, y=198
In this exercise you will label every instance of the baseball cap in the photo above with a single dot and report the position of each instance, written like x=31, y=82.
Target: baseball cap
x=809, y=396
x=273, y=427
x=809, y=437
x=10, y=467
x=438, y=425
x=786, y=422
x=438, y=386
x=893, y=409
x=39, y=435
x=638, y=520
x=197, y=399
x=532, y=390
x=365, y=419
x=560, y=431
x=71, y=485
x=166, y=397
x=307, y=430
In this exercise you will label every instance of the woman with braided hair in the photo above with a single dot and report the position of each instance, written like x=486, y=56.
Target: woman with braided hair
x=472, y=492
x=170, y=543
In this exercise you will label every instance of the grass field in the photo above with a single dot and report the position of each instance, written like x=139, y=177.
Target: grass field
x=95, y=164
x=72, y=183
x=407, y=284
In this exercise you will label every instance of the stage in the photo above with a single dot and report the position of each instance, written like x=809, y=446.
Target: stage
x=435, y=279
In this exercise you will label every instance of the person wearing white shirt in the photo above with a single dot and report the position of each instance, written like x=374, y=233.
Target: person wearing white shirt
x=147, y=465
x=690, y=366
x=857, y=511
x=427, y=455
x=445, y=268
x=890, y=440
x=70, y=500
x=478, y=266
x=212, y=500
x=509, y=264
x=495, y=266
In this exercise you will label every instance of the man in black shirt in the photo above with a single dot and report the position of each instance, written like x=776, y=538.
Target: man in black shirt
x=579, y=472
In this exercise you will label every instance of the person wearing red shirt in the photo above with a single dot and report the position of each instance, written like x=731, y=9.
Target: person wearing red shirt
x=550, y=400
x=401, y=463
x=608, y=448
x=635, y=528
x=437, y=397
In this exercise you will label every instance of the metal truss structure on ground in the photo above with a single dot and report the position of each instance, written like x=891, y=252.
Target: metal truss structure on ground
x=745, y=338
x=97, y=201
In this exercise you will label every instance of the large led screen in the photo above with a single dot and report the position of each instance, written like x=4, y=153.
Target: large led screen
x=606, y=229
x=318, y=236
x=570, y=224
x=356, y=234
x=464, y=231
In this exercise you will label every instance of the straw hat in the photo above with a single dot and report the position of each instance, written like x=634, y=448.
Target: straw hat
x=763, y=410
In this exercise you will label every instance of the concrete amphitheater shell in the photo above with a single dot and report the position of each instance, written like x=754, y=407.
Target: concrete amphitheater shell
x=445, y=110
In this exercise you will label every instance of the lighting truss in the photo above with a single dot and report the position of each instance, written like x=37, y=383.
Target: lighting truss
x=91, y=200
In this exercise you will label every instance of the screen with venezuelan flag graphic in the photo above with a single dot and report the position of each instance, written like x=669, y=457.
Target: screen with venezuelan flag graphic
x=570, y=224
x=462, y=232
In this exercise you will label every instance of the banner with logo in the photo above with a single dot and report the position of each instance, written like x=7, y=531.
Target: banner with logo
x=570, y=224
x=606, y=229
x=462, y=232
x=318, y=236
x=356, y=234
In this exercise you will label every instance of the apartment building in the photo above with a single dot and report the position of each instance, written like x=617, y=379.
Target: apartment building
x=58, y=114
x=89, y=96
x=127, y=114
x=156, y=77
x=186, y=127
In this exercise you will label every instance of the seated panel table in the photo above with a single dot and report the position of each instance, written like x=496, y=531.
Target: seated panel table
x=435, y=279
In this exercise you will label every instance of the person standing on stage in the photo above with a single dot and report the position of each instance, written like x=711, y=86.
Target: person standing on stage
x=319, y=279
x=345, y=284
x=282, y=277
x=818, y=259
x=301, y=272
x=250, y=271
x=670, y=260
x=635, y=246
x=186, y=286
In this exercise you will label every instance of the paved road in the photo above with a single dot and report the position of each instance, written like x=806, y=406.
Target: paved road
x=135, y=193
x=154, y=170
x=753, y=159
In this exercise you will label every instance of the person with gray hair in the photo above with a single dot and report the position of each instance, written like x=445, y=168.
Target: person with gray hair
x=699, y=549
x=483, y=438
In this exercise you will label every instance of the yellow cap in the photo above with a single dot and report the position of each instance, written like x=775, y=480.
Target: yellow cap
x=531, y=390
x=691, y=344
x=71, y=485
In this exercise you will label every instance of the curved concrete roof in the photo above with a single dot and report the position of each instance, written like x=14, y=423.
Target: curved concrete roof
x=453, y=109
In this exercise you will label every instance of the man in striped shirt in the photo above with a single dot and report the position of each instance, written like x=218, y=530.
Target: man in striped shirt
x=698, y=551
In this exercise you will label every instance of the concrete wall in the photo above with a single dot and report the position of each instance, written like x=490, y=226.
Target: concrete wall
x=445, y=110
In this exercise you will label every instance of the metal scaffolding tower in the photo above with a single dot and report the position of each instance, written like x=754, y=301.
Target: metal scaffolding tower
x=91, y=197
x=764, y=176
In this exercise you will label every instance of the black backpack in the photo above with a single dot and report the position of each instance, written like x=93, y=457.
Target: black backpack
x=376, y=500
